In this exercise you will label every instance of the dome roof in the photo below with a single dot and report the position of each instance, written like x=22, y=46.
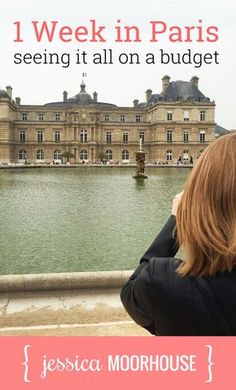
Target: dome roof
x=82, y=97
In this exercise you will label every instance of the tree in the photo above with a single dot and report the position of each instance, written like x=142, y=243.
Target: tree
x=68, y=155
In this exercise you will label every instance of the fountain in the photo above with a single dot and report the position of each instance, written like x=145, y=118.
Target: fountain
x=140, y=160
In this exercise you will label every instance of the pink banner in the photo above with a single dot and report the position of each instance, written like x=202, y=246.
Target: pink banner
x=69, y=363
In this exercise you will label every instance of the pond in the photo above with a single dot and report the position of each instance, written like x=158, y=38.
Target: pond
x=83, y=218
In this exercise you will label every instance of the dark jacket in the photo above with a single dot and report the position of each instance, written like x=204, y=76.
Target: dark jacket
x=167, y=304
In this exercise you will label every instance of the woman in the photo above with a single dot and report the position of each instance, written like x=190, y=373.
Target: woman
x=197, y=295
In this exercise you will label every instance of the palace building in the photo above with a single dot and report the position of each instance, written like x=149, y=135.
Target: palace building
x=175, y=124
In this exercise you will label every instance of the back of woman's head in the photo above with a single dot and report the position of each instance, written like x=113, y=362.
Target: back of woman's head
x=206, y=216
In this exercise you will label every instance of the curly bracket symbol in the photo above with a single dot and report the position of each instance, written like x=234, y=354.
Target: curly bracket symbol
x=26, y=363
x=210, y=364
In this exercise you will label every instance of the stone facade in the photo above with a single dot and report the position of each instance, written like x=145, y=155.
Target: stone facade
x=176, y=124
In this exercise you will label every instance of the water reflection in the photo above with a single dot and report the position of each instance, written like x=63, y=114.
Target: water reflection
x=140, y=183
x=56, y=220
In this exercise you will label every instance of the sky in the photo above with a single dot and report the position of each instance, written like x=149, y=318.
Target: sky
x=119, y=83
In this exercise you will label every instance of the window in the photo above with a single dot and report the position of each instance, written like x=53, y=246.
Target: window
x=24, y=116
x=125, y=155
x=57, y=117
x=125, y=137
x=22, y=136
x=57, y=155
x=186, y=116
x=107, y=118
x=185, y=155
x=169, y=116
x=202, y=116
x=83, y=136
x=108, y=137
x=186, y=136
x=169, y=136
x=122, y=118
x=138, y=118
x=141, y=135
x=83, y=155
x=41, y=117
x=108, y=155
x=40, y=136
x=40, y=154
x=202, y=136
x=57, y=136
x=22, y=155
x=169, y=155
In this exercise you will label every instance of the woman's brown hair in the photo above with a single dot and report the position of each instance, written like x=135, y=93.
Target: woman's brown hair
x=206, y=216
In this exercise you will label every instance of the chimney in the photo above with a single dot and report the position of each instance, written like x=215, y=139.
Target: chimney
x=165, y=83
x=9, y=90
x=65, y=94
x=18, y=101
x=148, y=95
x=135, y=102
x=95, y=97
x=195, y=80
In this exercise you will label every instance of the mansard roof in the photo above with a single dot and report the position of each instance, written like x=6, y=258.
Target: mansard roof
x=221, y=130
x=177, y=91
x=183, y=90
x=4, y=94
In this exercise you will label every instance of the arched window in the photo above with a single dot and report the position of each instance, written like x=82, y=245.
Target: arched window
x=57, y=155
x=125, y=155
x=22, y=155
x=185, y=155
x=83, y=136
x=40, y=154
x=108, y=155
x=169, y=155
x=83, y=155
